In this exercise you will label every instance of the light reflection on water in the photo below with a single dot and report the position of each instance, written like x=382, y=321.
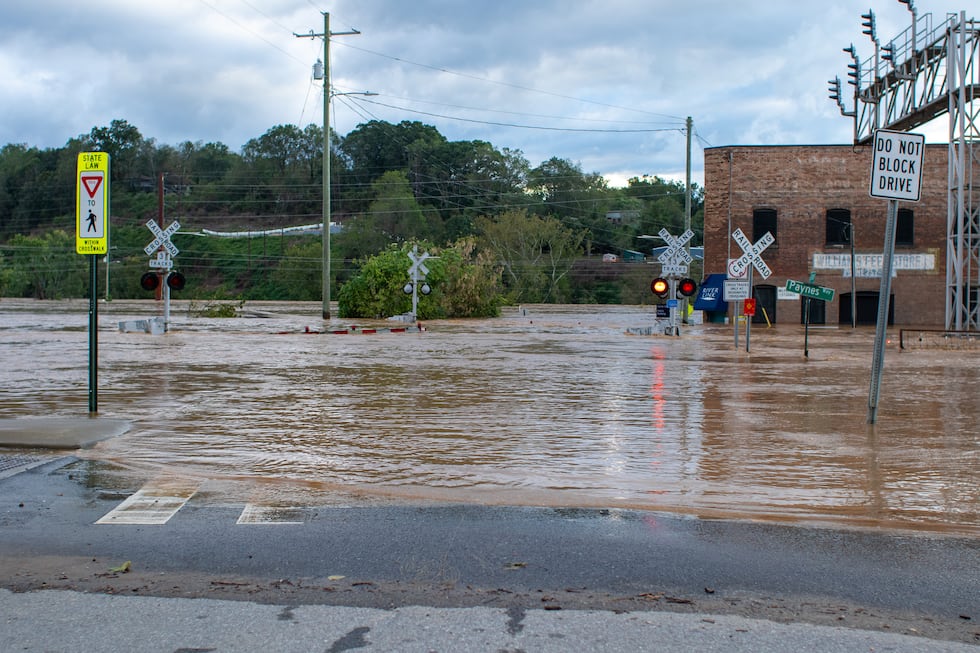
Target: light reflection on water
x=559, y=407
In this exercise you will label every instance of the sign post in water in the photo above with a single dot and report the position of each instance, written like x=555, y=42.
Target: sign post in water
x=92, y=239
x=896, y=174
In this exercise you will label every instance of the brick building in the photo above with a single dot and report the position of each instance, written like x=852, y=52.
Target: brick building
x=814, y=200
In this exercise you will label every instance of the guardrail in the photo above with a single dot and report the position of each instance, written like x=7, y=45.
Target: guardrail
x=938, y=339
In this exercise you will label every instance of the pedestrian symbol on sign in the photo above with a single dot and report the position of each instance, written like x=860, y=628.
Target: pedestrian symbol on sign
x=92, y=204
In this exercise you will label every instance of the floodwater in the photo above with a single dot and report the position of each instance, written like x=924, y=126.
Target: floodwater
x=556, y=407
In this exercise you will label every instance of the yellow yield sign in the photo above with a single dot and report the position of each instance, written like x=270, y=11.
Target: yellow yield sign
x=92, y=206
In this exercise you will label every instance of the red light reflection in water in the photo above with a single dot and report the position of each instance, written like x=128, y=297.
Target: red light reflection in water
x=659, y=403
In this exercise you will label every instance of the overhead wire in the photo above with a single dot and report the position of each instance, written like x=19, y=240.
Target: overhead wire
x=502, y=83
x=357, y=107
x=518, y=126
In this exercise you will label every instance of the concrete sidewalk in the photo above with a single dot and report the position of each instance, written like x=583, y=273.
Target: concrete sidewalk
x=59, y=432
x=64, y=620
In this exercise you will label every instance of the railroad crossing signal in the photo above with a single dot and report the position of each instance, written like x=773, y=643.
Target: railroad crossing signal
x=162, y=238
x=660, y=287
x=675, y=258
x=163, y=260
x=417, y=272
x=418, y=264
x=687, y=287
x=751, y=256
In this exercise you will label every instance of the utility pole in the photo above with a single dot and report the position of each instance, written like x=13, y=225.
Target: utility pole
x=687, y=203
x=326, y=152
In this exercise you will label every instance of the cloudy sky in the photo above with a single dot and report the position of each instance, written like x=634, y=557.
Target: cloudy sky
x=607, y=84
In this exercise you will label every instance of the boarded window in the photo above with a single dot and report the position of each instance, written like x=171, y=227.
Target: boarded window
x=763, y=220
x=838, y=226
x=905, y=228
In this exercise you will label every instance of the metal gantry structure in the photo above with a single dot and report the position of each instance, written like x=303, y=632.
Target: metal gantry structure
x=931, y=68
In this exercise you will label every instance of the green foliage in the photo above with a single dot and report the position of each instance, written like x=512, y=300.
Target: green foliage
x=391, y=184
x=4, y=277
x=464, y=283
x=215, y=308
x=662, y=204
x=47, y=266
x=393, y=216
x=376, y=291
x=469, y=282
x=298, y=275
x=123, y=142
x=536, y=254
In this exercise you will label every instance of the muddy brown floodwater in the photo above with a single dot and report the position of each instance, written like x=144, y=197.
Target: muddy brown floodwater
x=555, y=407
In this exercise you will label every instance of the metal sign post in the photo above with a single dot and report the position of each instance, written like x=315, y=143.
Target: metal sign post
x=164, y=259
x=674, y=263
x=92, y=239
x=417, y=271
x=884, y=302
x=896, y=174
x=809, y=291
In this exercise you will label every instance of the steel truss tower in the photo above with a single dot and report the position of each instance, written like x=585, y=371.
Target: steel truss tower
x=926, y=71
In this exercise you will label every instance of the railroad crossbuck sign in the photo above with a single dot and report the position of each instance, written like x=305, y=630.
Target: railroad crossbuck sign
x=675, y=259
x=752, y=255
x=417, y=270
x=92, y=205
x=896, y=165
x=162, y=239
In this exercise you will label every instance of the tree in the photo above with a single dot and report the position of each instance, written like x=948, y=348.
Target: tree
x=46, y=266
x=393, y=216
x=4, y=277
x=663, y=205
x=122, y=142
x=32, y=194
x=377, y=147
x=566, y=191
x=536, y=253
x=470, y=283
x=376, y=290
x=464, y=283
x=283, y=167
x=460, y=177
x=297, y=277
x=285, y=150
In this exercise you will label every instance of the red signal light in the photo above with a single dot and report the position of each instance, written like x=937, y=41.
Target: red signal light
x=687, y=287
x=660, y=287
x=150, y=281
x=176, y=281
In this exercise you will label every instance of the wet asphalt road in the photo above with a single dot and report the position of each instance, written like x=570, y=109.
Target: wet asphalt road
x=395, y=556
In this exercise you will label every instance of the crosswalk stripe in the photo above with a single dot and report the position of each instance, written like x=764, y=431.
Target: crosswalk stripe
x=152, y=504
x=257, y=514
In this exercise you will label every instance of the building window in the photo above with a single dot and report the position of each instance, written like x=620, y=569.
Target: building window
x=905, y=228
x=763, y=220
x=838, y=226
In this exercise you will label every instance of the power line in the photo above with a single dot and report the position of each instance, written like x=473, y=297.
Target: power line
x=517, y=126
x=255, y=34
x=507, y=84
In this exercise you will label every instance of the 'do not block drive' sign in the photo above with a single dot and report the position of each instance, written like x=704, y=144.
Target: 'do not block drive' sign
x=896, y=165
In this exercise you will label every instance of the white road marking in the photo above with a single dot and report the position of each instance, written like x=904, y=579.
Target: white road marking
x=152, y=504
x=256, y=514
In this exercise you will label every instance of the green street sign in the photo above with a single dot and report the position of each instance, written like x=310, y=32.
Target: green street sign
x=810, y=290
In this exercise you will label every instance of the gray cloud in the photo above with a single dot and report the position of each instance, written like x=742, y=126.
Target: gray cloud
x=228, y=70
